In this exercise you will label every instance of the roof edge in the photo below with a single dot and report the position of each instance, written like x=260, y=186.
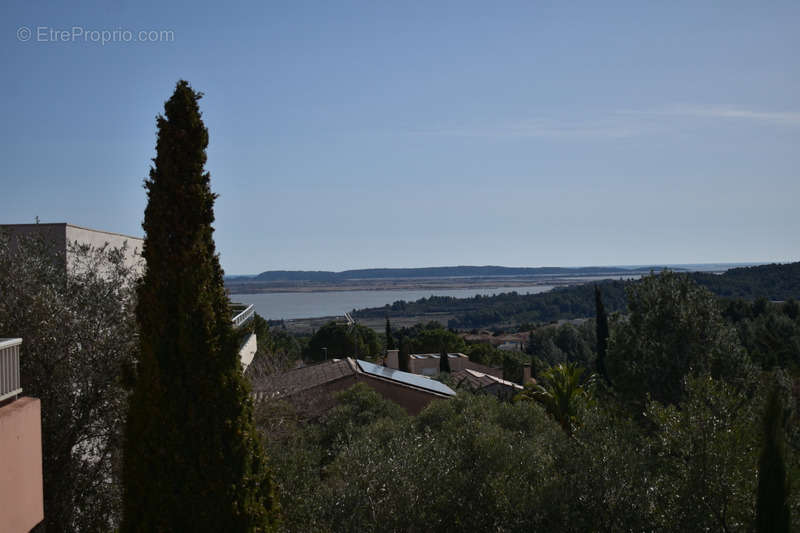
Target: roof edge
x=104, y=231
x=67, y=224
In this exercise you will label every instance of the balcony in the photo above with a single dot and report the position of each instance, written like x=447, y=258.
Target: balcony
x=9, y=369
x=241, y=313
x=20, y=447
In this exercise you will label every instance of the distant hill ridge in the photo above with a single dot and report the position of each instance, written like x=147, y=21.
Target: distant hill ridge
x=436, y=272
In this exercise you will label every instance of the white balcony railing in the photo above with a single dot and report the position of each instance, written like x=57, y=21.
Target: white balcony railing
x=9, y=368
x=244, y=316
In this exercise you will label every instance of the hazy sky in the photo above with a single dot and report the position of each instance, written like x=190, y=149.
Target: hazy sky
x=350, y=135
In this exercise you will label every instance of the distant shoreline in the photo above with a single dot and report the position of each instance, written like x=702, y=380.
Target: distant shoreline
x=441, y=278
x=236, y=288
x=255, y=287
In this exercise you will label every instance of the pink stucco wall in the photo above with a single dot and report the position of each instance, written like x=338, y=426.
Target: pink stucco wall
x=21, y=505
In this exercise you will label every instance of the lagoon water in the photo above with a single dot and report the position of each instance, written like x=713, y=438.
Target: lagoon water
x=290, y=305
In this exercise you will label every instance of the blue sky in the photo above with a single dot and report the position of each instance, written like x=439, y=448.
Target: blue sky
x=397, y=134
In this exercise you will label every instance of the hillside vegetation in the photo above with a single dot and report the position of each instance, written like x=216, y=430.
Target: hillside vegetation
x=773, y=282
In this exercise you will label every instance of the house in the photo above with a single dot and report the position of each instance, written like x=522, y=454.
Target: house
x=312, y=387
x=505, y=341
x=21, y=482
x=427, y=364
x=510, y=346
x=486, y=383
x=60, y=235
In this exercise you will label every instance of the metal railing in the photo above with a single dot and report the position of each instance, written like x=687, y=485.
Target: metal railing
x=244, y=316
x=9, y=368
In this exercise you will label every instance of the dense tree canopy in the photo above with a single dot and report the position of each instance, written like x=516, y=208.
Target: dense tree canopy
x=337, y=340
x=432, y=338
x=674, y=328
x=508, y=310
x=580, y=458
x=564, y=343
x=484, y=353
x=477, y=464
x=770, y=332
x=277, y=350
x=773, y=282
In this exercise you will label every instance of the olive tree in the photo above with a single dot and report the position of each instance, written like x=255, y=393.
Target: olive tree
x=674, y=328
x=78, y=335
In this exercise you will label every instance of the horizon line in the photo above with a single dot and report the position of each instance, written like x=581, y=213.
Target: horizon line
x=629, y=266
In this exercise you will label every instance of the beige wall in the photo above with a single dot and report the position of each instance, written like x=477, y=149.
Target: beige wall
x=97, y=239
x=428, y=366
x=248, y=351
x=61, y=233
x=52, y=233
x=392, y=360
x=21, y=506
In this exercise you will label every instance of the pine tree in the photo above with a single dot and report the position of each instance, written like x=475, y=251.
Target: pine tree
x=772, y=509
x=601, y=325
x=402, y=355
x=444, y=362
x=193, y=460
x=389, y=337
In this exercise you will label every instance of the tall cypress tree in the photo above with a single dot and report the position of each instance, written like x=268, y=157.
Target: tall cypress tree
x=389, y=337
x=444, y=361
x=193, y=460
x=402, y=355
x=601, y=325
x=772, y=508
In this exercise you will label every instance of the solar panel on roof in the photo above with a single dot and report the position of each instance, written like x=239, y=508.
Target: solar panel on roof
x=405, y=377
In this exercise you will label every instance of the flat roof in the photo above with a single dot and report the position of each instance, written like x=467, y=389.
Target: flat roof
x=65, y=224
x=106, y=232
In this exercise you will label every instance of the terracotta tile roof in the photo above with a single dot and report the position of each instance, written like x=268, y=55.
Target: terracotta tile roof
x=309, y=377
x=304, y=378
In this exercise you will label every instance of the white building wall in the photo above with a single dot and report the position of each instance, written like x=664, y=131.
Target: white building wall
x=61, y=234
x=98, y=239
x=248, y=351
